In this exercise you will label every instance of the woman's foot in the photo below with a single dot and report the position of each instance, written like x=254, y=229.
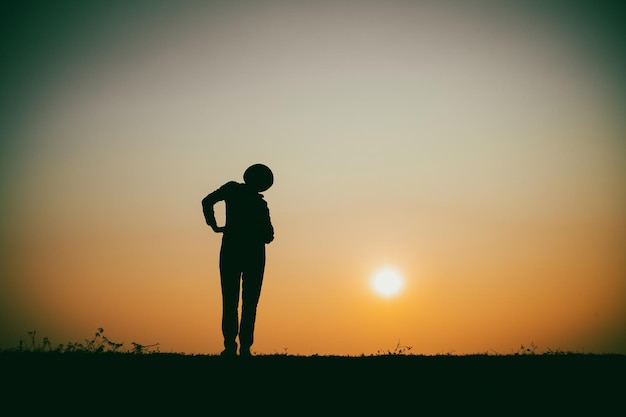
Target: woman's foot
x=229, y=353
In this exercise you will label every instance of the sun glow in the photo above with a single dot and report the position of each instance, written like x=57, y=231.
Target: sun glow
x=387, y=282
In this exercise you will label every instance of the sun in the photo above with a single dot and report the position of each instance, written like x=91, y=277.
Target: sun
x=387, y=282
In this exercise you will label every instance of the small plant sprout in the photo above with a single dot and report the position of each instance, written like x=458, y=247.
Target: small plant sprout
x=397, y=351
x=528, y=350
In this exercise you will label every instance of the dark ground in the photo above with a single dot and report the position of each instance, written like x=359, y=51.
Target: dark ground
x=170, y=384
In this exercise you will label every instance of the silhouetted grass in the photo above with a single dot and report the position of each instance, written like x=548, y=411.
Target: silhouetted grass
x=99, y=343
x=99, y=376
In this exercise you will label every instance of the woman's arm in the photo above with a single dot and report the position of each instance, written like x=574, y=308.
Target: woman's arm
x=207, y=208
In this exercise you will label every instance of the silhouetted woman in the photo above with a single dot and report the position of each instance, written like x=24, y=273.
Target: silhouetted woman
x=247, y=230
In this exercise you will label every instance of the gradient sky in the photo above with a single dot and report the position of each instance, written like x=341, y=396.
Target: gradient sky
x=477, y=149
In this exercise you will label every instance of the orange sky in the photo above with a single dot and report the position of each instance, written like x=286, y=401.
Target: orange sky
x=478, y=151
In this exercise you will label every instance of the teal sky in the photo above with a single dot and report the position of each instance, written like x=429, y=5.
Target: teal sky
x=478, y=147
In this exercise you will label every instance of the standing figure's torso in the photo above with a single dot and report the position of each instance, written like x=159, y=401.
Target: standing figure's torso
x=247, y=215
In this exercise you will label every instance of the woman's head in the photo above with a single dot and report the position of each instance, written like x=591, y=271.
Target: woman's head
x=259, y=177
